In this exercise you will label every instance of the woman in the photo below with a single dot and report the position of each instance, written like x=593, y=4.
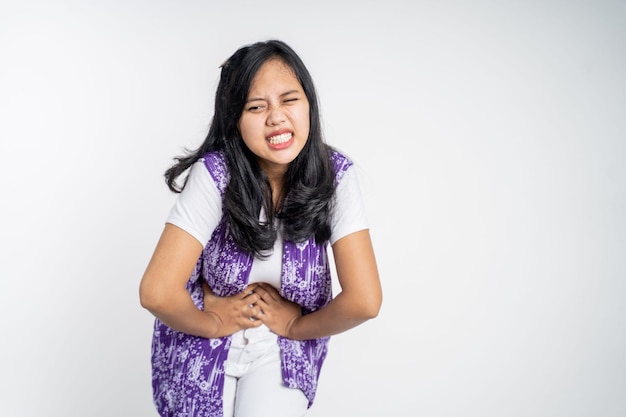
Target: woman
x=239, y=282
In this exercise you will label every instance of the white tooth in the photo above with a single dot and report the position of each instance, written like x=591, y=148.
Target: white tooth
x=282, y=138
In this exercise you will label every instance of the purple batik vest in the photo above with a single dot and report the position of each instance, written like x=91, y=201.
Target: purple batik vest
x=188, y=371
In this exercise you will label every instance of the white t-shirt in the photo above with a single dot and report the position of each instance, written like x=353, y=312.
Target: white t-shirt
x=198, y=211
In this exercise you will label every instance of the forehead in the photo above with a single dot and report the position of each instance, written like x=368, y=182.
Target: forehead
x=274, y=74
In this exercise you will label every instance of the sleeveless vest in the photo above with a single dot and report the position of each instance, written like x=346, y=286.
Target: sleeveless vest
x=188, y=371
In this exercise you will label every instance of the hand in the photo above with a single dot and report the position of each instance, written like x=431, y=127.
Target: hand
x=234, y=312
x=277, y=313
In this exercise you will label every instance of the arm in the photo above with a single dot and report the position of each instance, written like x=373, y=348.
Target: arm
x=162, y=290
x=359, y=300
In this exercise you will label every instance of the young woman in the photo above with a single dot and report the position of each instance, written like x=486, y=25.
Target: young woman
x=239, y=282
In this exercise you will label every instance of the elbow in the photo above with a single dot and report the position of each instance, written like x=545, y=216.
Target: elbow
x=146, y=301
x=366, y=314
x=150, y=299
x=376, y=303
x=371, y=308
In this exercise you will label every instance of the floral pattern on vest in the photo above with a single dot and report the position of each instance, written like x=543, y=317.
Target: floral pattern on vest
x=188, y=371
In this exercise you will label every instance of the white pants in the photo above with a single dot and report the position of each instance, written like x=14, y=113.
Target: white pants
x=253, y=383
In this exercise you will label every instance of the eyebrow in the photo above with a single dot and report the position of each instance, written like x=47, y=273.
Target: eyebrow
x=282, y=95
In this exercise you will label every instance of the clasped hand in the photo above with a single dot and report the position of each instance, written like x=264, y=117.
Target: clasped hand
x=259, y=303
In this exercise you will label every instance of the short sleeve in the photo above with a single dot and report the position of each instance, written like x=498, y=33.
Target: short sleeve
x=198, y=208
x=349, y=213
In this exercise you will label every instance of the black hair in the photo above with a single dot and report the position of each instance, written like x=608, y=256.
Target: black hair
x=309, y=180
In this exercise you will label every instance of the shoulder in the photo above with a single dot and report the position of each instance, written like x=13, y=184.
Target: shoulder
x=215, y=162
x=341, y=163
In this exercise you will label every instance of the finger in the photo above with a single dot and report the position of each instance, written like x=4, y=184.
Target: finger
x=252, y=298
x=262, y=304
x=262, y=293
x=256, y=311
x=252, y=311
x=248, y=310
x=251, y=288
x=255, y=316
x=268, y=292
x=246, y=293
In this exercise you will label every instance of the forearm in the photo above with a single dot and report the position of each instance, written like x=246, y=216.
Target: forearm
x=182, y=315
x=340, y=314
x=361, y=295
x=162, y=290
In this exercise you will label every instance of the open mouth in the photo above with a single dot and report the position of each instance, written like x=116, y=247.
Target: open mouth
x=280, y=139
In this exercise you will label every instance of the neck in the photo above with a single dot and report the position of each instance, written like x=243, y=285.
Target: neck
x=277, y=193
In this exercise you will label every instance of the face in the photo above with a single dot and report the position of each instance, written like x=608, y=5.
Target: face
x=275, y=121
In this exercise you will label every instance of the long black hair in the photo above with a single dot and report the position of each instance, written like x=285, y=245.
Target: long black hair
x=309, y=179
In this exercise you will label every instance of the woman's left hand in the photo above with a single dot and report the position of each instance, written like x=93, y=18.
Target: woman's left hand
x=277, y=313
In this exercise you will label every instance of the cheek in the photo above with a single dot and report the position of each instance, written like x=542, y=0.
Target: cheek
x=245, y=127
x=303, y=117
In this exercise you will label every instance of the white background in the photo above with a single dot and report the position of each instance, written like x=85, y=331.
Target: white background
x=491, y=136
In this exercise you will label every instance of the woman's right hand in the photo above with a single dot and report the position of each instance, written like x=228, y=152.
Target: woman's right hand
x=232, y=313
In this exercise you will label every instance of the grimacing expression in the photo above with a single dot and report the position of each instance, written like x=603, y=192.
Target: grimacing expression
x=275, y=120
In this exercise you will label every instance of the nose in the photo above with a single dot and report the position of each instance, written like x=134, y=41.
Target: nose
x=275, y=116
